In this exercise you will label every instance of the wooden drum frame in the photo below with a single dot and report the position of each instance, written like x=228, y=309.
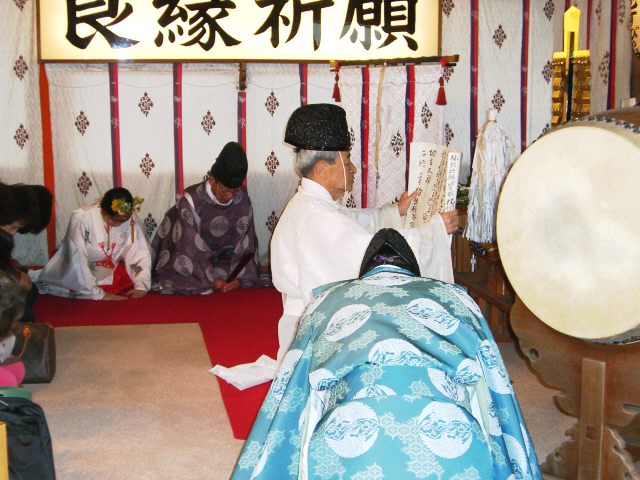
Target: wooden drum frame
x=573, y=259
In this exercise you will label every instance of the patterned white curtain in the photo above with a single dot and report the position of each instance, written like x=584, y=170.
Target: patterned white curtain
x=351, y=101
x=147, y=138
x=600, y=55
x=388, y=156
x=320, y=81
x=20, y=124
x=273, y=92
x=428, y=121
x=542, y=23
x=456, y=38
x=81, y=129
x=209, y=115
x=500, y=37
x=624, y=53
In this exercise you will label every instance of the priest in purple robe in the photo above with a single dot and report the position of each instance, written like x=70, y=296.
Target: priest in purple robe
x=207, y=240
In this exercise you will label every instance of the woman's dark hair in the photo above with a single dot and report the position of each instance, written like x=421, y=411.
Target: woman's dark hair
x=29, y=204
x=387, y=255
x=389, y=247
x=39, y=214
x=12, y=301
x=6, y=247
x=12, y=204
x=117, y=193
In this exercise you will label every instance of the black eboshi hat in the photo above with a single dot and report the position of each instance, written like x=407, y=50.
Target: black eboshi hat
x=318, y=126
x=230, y=168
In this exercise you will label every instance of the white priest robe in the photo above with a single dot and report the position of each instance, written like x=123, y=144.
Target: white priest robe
x=75, y=270
x=318, y=241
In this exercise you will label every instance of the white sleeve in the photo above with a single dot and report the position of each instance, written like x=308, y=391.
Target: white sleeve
x=138, y=260
x=68, y=270
x=373, y=219
x=330, y=249
x=430, y=242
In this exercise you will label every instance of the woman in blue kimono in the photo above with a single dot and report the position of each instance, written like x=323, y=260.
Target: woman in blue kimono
x=390, y=376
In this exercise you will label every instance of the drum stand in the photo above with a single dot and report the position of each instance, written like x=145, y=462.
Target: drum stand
x=600, y=386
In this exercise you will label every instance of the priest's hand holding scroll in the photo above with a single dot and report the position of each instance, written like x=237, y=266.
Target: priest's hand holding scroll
x=449, y=218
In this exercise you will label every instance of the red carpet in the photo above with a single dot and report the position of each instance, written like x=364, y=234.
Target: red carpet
x=237, y=327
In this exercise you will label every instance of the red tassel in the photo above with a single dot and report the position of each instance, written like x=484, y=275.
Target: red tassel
x=442, y=98
x=336, y=85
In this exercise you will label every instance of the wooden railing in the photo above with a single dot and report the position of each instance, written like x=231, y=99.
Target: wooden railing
x=479, y=270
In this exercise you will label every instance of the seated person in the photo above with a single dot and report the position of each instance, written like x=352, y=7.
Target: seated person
x=12, y=299
x=391, y=375
x=23, y=209
x=207, y=240
x=104, y=254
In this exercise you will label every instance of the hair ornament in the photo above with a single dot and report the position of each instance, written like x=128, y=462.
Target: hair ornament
x=122, y=207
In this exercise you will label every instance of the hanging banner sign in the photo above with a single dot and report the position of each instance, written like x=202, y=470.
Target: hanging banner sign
x=236, y=30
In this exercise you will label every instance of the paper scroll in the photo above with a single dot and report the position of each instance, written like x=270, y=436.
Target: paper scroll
x=433, y=171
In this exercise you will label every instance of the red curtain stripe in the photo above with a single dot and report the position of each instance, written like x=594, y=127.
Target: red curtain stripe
x=611, y=96
x=364, y=137
x=589, y=9
x=473, y=101
x=115, y=124
x=177, y=127
x=242, y=121
x=409, y=116
x=524, y=74
x=304, y=76
x=47, y=154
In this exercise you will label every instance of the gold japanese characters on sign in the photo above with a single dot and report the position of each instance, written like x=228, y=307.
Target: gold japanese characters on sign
x=237, y=30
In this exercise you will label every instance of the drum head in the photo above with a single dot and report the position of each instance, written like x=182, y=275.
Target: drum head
x=568, y=229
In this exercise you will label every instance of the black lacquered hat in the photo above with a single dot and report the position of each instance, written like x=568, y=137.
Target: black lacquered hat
x=318, y=126
x=230, y=168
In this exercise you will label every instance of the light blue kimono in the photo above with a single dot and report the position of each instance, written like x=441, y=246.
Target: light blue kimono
x=390, y=376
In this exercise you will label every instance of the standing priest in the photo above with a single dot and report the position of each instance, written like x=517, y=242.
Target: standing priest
x=318, y=241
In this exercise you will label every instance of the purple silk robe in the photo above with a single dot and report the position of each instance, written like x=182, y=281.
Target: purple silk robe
x=195, y=244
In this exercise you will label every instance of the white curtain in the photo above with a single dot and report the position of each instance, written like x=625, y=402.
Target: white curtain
x=209, y=115
x=624, y=53
x=540, y=72
x=428, y=119
x=320, y=81
x=387, y=113
x=499, y=61
x=147, y=138
x=456, y=38
x=81, y=130
x=351, y=101
x=600, y=54
x=273, y=92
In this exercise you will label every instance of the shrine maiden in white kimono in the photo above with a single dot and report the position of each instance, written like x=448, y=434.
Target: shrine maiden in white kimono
x=80, y=266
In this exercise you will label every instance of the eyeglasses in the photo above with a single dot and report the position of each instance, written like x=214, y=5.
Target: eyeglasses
x=226, y=190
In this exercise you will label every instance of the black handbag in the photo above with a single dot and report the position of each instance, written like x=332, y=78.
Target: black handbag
x=28, y=438
x=36, y=346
